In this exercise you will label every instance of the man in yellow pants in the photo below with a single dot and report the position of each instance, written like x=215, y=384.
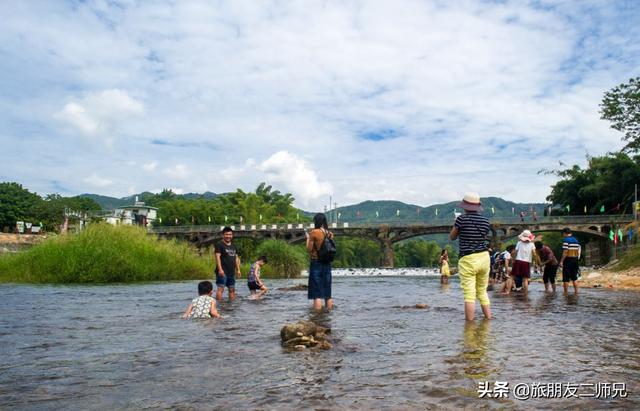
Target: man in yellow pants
x=471, y=229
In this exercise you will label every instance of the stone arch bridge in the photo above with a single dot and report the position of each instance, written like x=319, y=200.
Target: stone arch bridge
x=596, y=226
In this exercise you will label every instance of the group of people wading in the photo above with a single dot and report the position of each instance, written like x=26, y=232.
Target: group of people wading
x=228, y=270
x=474, y=265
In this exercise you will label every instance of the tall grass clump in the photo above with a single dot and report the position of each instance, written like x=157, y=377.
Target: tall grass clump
x=105, y=254
x=285, y=260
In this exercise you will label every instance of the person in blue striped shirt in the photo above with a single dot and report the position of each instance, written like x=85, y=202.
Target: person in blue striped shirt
x=569, y=262
x=471, y=229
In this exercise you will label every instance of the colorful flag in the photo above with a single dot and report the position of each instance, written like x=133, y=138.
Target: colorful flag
x=602, y=209
x=620, y=233
x=436, y=211
x=225, y=219
x=513, y=210
x=585, y=209
x=377, y=215
x=297, y=216
x=339, y=214
x=159, y=220
x=568, y=208
x=241, y=219
x=611, y=235
x=493, y=210
x=397, y=212
x=615, y=238
x=260, y=217
x=209, y=218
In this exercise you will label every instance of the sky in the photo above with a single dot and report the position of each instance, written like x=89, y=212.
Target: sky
x=416, y=101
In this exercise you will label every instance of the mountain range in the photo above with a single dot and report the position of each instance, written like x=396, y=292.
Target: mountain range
x=368, y=211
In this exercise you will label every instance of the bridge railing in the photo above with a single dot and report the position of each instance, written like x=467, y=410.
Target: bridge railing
x=545, y=220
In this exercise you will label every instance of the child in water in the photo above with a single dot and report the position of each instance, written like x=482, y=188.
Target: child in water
x=444, y=267
x=256, y=286
x=203, y=306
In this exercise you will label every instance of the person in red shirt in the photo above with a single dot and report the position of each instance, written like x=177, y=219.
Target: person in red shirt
x=550, y=264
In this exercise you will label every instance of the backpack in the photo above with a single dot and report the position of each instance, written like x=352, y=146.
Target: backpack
x=327, y=250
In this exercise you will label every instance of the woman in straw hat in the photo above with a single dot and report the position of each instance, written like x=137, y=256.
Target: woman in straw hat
x=471, y=229
x=525, y=255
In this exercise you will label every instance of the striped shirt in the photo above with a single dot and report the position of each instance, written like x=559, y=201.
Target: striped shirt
x=571, y=246
x=472, y=232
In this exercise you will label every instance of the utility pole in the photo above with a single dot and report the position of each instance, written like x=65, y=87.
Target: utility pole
x=335, y=212
x=330, y=200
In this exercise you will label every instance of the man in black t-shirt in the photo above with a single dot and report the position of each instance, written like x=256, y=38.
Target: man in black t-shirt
x=227, y=265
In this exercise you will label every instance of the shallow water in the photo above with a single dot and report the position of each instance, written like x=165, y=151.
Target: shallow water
x=125, y=347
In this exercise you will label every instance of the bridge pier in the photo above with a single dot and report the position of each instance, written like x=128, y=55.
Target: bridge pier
x=386, y=249
x=597, y=251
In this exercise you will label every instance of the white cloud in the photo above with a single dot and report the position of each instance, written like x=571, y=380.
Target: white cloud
x=179, y=172
x=100, y=112
x=150, y=166
x=96, y=181
x=296, y=175
x=460, y=94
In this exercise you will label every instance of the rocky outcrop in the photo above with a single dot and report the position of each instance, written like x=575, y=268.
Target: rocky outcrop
x=305, y=334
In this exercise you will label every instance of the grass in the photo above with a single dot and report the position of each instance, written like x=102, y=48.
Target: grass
x=630, y=259
x=105, y=254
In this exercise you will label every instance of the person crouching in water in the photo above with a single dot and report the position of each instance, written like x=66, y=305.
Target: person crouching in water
x=203, y=306
x=550, y=264
x=444, y=267
x=471, y=229
x=255, y=284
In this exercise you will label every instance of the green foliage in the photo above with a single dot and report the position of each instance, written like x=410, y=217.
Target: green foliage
x=608, y=180
x=621, y=106
x=285, y=260
x=104, y=254
x=264, y=206
x=419, y=253
x=16, y=204
x=357, y=253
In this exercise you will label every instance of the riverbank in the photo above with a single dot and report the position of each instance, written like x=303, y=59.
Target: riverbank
x=10, y=243
x=617, y=280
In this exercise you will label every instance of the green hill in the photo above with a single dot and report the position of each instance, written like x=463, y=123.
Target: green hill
x=396, y=211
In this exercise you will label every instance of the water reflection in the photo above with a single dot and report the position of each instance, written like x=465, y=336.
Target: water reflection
x=475, y=348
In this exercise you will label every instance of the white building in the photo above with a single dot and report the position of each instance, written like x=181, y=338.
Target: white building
x=136, y=214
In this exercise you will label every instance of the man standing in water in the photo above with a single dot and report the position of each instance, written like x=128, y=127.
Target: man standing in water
x=471, y=229
x=569, y=261
x=227, y=265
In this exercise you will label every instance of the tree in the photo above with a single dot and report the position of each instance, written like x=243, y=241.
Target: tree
x=16, y=204
x=607, y=181
x=621, y=106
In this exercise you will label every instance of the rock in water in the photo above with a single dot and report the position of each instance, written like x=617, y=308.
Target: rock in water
x=300, y=347
x=290, y=331
x=421, y=306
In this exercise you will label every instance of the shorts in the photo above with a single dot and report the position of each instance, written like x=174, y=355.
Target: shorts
x=570, y=270
x=549, y=275
x=521, y=269
x=226, y=281
x=319, y=280
x=253, y=285
x=517, y=280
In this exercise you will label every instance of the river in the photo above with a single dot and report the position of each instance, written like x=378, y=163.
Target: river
x=125, y=347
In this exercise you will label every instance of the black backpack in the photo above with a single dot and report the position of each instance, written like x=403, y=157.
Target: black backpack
x=327, y=250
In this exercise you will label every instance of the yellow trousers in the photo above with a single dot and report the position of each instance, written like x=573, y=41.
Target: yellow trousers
x=473, y=270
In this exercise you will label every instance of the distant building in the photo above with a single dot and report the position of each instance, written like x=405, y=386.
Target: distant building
x=136, y=214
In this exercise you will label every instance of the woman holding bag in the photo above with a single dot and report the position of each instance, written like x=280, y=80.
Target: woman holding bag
x=319, y=270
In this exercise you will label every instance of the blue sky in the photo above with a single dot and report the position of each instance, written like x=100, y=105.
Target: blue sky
x=417, y=101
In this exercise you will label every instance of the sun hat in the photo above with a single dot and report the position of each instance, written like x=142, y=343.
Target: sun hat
x=470, y=202
x=526, y=236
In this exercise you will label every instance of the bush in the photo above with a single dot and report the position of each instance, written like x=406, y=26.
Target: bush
x=105, y=254
x=285, y=260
